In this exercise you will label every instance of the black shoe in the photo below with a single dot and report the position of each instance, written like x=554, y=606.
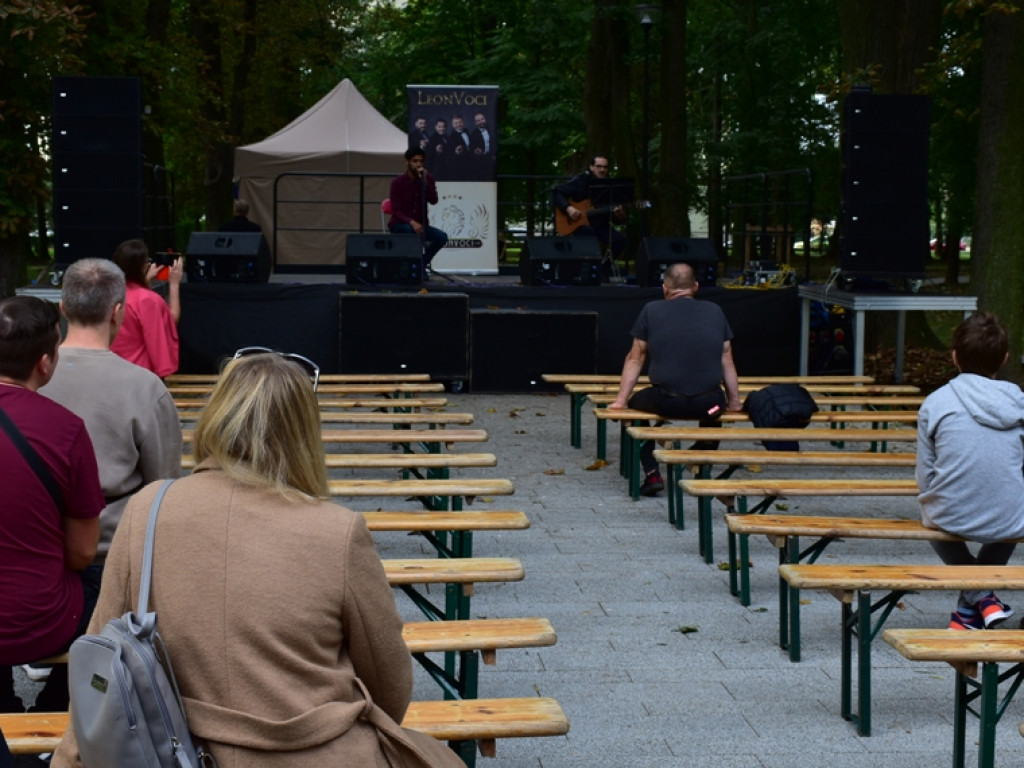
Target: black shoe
x=653, y=485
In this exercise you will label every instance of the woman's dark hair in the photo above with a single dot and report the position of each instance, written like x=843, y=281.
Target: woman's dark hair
x=28, y=330
x=132, y=256
x=981, y=344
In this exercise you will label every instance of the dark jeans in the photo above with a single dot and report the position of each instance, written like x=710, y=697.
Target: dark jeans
x=54, y=697
x=957, y=553
x=705, y=407
x=433, y=239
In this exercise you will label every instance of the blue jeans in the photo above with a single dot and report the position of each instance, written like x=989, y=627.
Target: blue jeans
x=433, y=239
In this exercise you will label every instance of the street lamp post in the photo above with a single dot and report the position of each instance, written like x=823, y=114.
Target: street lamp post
x=645, y=13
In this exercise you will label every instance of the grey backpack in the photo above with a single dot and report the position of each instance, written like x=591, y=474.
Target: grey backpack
x=125, y=708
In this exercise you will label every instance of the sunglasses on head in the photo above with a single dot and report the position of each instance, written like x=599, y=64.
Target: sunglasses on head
x=303, y=362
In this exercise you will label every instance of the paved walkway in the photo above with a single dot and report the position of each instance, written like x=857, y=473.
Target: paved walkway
x=656, y=664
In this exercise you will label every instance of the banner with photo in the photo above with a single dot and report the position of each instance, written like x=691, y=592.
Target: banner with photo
x=456, y=127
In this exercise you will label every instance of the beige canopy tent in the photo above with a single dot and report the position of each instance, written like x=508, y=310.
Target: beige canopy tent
x=341, y=134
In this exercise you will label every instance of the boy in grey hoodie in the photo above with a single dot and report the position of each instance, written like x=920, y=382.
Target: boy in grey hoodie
x=970, y=463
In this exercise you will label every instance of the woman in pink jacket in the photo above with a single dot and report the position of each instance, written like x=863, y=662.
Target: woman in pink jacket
x=149, y=334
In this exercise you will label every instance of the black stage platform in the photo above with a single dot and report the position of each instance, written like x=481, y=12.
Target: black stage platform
x=489, y=334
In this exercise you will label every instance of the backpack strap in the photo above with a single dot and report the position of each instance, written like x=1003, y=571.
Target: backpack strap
x=147, y=553
x=35, y=461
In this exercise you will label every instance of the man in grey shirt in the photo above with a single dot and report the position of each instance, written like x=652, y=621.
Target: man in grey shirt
x=129, y=414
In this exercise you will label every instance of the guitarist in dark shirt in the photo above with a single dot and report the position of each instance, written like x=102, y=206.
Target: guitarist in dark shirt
x=572, y=200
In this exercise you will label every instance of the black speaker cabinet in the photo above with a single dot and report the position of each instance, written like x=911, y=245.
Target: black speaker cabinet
x=560, y=261
x=405, y=333
x=392, y=259
x=227, y=257
x=658, y=253
x=885, y=224
x=511, y=349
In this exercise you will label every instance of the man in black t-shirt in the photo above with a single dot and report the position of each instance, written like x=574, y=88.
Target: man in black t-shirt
x=689, y=344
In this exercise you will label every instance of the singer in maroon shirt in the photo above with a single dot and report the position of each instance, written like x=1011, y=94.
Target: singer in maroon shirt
x=410, y=194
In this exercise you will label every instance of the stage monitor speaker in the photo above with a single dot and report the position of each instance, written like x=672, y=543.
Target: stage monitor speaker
x=511, y=350
x=391, y=259
x=405, y=333
x=97, y=96
x=73, y=243
x=560, y=261
x=227, y=257
x=658, y=253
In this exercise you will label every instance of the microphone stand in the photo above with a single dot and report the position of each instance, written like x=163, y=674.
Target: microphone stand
x=423, y=221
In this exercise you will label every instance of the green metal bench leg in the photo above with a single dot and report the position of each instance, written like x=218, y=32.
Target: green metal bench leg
x=960, y=705
x=789, y=599
x=602, y=440
x=576, y=419
x=635, y=472
x=672, y=477
x=864, y=637
x=988, y=715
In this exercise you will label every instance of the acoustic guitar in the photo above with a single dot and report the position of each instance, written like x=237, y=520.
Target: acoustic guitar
x=566, y=226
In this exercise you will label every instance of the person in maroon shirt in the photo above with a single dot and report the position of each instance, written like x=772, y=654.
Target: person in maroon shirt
x=410, y=194
x=47, y=541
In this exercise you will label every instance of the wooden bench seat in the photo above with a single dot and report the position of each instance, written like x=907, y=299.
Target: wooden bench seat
x=965, y=652
x=176, y=379
x=394, y=389
x=434, y=493
x=481, y=720
x=784, y=532
x=854, y=586
x=439, y=463
x=457, y=574
x=613, y=378
x=397, y=420
x=772, y=488
x=383, y=403
x=450, y=533
x=432, y=440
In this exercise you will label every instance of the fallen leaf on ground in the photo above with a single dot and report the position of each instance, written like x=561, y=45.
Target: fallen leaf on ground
x=554, y=471
x=512, y=414
x=597, y=464
x=685, y=630
x=782, y=507
x=538, y=413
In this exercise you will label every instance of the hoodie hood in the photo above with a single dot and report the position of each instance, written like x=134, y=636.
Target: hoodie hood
x=992, y=403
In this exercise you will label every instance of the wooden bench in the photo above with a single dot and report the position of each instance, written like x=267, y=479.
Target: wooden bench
x=965, y=651
x=771, y=489
x=784, y=532
x=853, y=586
x=450, y=533
x=457, y=574
x=430, y=440
x=837, y=418
x=460, y=722
x=394, y=389
x=380, y=403
x=176, y=379
x=436, y=464
x=434, y=493
x=396, y=420
x=731, y=434
x=613, y=378
x=701, y=462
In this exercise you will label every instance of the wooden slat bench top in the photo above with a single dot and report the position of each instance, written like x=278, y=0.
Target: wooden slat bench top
x=861, y=390
x=613, y=378
x=383, y=388
x=467, y=570
x=790, y=487
x=851, y=578
x=194, y=403
x=821, y=417
x=325, y=378
x=394, y=460
x=483, y=720
x=754, y=434
x=832, y=526
x=789, y=458
x=426, y=520
x=477, y=634
x=428, y=487
x=393, y=435
x=957, y=647
x=368, y=417
x=889, y=401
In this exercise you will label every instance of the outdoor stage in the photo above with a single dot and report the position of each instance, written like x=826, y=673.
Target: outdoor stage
x=484, y=333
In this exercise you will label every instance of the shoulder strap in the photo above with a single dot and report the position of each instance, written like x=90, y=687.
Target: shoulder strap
x=147, y=553
x=33, y=458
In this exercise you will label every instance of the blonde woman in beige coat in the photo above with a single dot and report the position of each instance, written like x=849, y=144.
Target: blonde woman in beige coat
x=271, y=599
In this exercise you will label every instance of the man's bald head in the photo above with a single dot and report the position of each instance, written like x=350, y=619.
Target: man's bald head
x=679, y=277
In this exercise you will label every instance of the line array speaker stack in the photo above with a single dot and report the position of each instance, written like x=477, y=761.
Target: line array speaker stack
x=560, y=261
x=227, y=257
x=390, y=259
x=97, y=165
x=658, y=253
x=885, y=229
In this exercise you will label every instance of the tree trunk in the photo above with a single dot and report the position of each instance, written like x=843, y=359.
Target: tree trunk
x=669, y=188
x=606, y=93
x=886, y=41
x=997, y=267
